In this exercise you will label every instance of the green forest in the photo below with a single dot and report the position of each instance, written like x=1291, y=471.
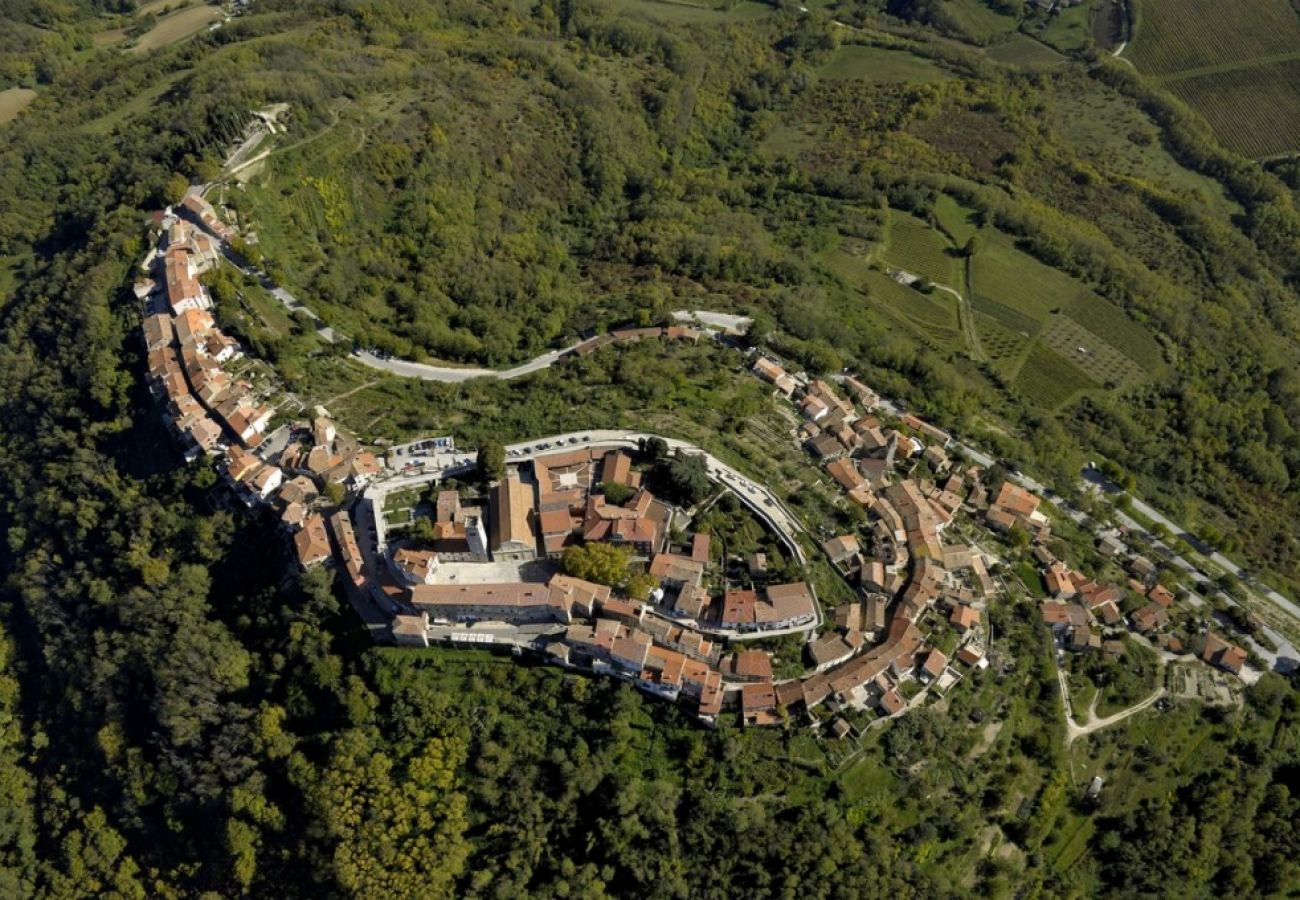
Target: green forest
x=481, y=181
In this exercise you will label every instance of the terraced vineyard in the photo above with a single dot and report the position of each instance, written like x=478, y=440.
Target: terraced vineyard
x=1254, y=110
x=1050, y=333
x=932, y=316
x=1049, y=380
x=919, y=249
x=1237, y=64
x=1114, y=326
x=1174, y=36
x=1013, y=320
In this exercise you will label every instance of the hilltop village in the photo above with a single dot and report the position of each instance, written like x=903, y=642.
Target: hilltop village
x=429, y=550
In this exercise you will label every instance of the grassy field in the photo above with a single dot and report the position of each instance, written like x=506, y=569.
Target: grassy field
x=1068, y=30
x=138, y=105
x=1238, y=65
x=695, y=13
x=878, y=64
x=176, y=27
x=13, y=101
x=1025, y=51
x=979, y=20
x=1110, y=132
x=916, y=247
x=852, y=267
x=955, y=219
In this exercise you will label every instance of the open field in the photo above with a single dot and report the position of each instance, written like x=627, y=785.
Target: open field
x=1174, y=36
x=162, y=7
x=916, y=247
x=1254, y=110
x=955, y=219
x=1111, y=324
x=111, y=36
x=13, y=101
x=979, y=20
x=1025, y=51
x=176, y=27
x=852, y=267
x=1068, y=30
x=138, y=105
x=695, y=13
x=878, y=64
x=1017, y=281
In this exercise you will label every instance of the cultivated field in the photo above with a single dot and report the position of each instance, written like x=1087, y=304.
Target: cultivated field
x=931, y=316
x=1050, y=380
x=690, y=13
x=13, y=101
x=1236, y=64
x=878, y=64
x=177, y=26
x=1015, y=280
x=1253, y=110
x=916, y=247
x=1174, y=36
x=1048, y=333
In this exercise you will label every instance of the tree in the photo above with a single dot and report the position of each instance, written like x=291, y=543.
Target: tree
x=422, y=530
x=491, y=461
x=175, y=188
x=972, y=246
x=616, y=493
x=654, y=448
x=684, y=479
x=598, y=562
x=640, y=585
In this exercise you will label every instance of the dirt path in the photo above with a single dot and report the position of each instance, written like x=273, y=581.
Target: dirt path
x=965, y=315
x=343, y=396
x=1074, y=731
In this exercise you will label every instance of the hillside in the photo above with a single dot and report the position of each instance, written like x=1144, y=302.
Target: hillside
x=477, y=182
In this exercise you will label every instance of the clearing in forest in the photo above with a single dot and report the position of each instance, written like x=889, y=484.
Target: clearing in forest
x=879, y=64
x=13, y=101
x=177, y=26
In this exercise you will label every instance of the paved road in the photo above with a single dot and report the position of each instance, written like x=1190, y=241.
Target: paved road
x=456, y=374
x=725, y=321
x=1287, y=656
